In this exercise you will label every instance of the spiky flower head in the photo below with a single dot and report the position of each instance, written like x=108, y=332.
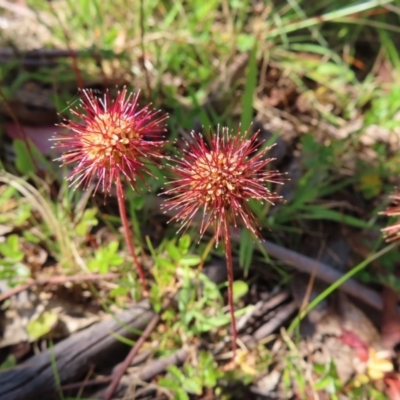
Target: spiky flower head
x=219, y=178
x=112, y=138
x=392, y=232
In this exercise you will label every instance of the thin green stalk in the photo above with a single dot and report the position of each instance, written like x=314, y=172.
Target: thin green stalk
x=337, y=284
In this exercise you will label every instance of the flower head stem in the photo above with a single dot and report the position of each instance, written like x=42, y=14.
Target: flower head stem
x=128, y=234
x=229, y=267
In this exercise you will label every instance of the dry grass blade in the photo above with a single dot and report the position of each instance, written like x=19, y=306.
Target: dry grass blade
x=43, y=207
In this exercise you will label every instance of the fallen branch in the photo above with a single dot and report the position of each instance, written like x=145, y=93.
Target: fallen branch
x=156, y=367
x=324, y=273
x=133, y=353
x=35, y=378
x=127, y=362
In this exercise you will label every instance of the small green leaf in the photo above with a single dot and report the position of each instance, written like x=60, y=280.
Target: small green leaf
x=193, y=385
x=10, y=249
x=42, y=325
x=190, y=260
x=119, y=291
x=184, y=244
x=176, y=372
x=23, y=160
x=173, y=251
x=240, y=289
x=9, y=362
x=168, y=265
x=105, y=258
x=87, y=221
x=246, y=250
x=182, y=395
x=245, y=42
x=168, y=383
x=137, y=202
x=249, y=89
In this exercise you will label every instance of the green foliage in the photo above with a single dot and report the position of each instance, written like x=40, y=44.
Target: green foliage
x=384, y=110
x=192, y=380
x=9, y=362
x=240, y=289
x=23, y=162
x=42, y=324
x=170, y=257
x=316, y=183
x=12, y=270
x=328, y=379
x=106, y=258
x=87, y=222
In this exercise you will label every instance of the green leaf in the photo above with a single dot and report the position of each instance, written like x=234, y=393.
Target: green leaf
x=320, y=213
x=193, y=385
x=246, y=250
x=137, y=202
x=168, y=265
x=10, y=249
x=205, y=324
x=240, y=289
x=168, y=383
x=184, y=244
x=105, y=258
x=41, y=325
x=182, y=395
x=173, y=251
x=245, y=42
x=9, y=362
x=249, y=90
x=87, y=221
x=119, y=291
x=23, y=160
x=176, y=372
x=190, y=260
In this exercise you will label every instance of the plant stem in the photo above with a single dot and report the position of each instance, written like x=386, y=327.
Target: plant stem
x=229, y=267
x=128, y=234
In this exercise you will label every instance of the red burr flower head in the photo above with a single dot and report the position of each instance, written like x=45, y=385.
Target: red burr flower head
x=392, y=232
x=110, y=138
x=219, y=178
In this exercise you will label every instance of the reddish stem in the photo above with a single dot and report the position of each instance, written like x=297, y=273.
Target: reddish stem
x=128, y=234
x=128, y=360
x=229, y=267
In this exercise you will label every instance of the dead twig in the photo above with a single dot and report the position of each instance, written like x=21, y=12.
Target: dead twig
x=120, y=371
x=96, y=345
x=324, y=273
x=55, y=280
